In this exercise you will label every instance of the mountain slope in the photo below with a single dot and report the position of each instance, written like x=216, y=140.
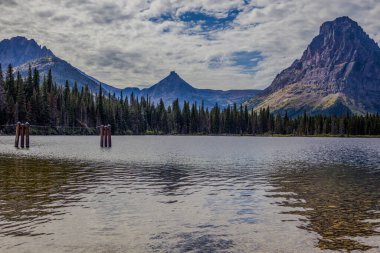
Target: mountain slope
x=338, y=72
x=18, y=50
x=21, y=52
x=173, y=87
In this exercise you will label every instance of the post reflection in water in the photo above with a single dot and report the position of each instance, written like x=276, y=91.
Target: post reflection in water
x=340, y=203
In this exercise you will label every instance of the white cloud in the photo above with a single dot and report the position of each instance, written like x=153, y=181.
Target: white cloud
x=115, y=42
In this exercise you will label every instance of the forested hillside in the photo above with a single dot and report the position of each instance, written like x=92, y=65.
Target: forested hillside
x=64, y=110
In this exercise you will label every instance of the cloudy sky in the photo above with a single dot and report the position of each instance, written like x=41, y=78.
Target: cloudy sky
x=217, y=44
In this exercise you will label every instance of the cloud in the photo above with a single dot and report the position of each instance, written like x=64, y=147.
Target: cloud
x=203, y=22
x=114, y=58
x=45, y=14
x=248, y=61
x=230, y=44
x=61, y=18
x=107, y=13
x=11, y=3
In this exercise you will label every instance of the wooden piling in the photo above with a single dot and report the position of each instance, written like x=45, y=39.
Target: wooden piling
x=22, y=130
x=27, y=126
x=105, y=136
x=17, y=138
x=101, y=136
x=109, y=136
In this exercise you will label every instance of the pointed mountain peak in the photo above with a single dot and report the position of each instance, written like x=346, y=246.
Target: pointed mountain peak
x=342, y=59
x=173, y=76
x=339, y=41
x=341, y=25
x=173, y=82
x=173, y=73
x=340, y=53
x=344, y=20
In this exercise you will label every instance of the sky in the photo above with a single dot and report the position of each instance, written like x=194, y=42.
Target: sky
x=215, y=44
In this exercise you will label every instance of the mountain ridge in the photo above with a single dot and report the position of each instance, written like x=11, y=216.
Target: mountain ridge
x=339, y=72
x=173, y=86
x=22, y=52
x=18, y=50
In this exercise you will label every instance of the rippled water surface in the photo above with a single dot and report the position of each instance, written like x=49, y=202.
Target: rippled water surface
x=190, y=194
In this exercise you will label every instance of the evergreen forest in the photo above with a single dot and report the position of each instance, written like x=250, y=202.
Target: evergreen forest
x=56, y=109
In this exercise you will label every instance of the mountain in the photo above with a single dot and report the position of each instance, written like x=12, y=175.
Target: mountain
x=339, y=72
x=173, y=87
x=19, y=50
x=22, y=52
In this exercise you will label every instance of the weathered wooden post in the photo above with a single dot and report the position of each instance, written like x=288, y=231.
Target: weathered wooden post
x=105, y=136
x=109, y=136
x=27, y=134
x=101, y=136
x=17, y=138
x=22, y=130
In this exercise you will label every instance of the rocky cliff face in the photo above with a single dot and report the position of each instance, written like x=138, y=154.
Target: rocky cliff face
x=339, y=69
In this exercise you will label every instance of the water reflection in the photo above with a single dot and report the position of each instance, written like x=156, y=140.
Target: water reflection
x=340, y=203
x=197, y=194
x=34, y=192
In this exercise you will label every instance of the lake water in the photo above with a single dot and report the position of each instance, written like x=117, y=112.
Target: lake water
x=190, y=194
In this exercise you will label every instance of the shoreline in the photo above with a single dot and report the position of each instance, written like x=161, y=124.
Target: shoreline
x=218, y=135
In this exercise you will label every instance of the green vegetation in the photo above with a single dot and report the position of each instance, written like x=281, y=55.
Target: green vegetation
x=53, y=109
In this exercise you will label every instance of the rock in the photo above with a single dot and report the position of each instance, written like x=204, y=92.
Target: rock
x=341, y=62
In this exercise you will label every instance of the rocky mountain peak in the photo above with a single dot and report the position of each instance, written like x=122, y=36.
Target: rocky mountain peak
x=339, y=24
x=19, y=50
x=338, y=72
x=341, y=58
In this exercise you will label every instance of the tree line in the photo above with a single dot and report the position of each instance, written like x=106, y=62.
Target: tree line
x=64, y=110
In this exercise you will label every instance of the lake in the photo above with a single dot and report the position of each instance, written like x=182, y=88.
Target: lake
x=190, y=194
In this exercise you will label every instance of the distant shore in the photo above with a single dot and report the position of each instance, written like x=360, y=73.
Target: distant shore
x=53, y=133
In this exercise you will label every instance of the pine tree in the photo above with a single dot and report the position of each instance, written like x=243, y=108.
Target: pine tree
x=215, y=120
x=100, y=106
x=50, y=104
x=3, y=103
x=36, y=80
x=20, y=112
x=49, y=81
x=177, y=117
x=29, y=85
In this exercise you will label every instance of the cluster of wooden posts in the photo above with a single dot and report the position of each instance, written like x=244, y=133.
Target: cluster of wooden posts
x=105, y=136
x=22, y=135
x=23, y=131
